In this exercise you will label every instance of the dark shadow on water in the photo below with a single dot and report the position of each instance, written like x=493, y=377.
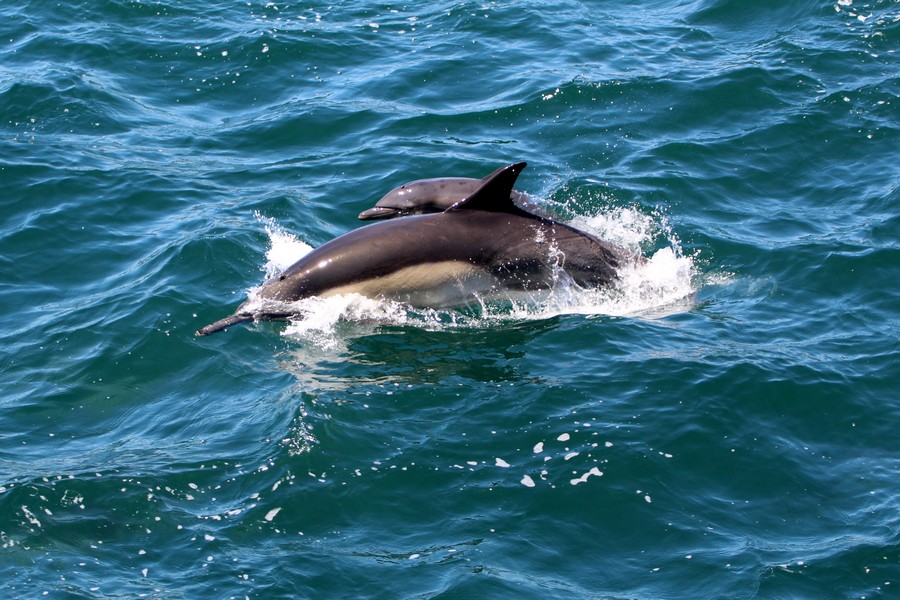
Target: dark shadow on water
x=362, y=354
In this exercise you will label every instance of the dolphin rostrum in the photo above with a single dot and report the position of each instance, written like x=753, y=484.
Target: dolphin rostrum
x=481, y=245
x=425, y=196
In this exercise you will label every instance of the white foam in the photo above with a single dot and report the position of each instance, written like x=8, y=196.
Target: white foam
x=623, y=226
x=284, y=248
x=662, y=284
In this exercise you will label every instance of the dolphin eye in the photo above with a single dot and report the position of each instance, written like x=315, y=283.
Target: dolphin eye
x=282, y=278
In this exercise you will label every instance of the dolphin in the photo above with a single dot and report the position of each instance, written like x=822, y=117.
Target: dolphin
x=425, y=196
x=482, y=245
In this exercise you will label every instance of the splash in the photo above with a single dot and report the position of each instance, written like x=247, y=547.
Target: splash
x=663, y=283
x=284, y=248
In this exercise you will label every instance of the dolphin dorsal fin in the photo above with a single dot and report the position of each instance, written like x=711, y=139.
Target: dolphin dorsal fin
x=494, y=193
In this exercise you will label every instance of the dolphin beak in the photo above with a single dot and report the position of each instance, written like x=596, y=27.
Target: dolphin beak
x=379, y=212
x=225, y=323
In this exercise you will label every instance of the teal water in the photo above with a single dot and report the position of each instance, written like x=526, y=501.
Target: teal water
x=722, y=425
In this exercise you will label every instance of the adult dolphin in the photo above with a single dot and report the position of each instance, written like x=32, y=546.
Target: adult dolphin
x=426, y=196
x=482, y=245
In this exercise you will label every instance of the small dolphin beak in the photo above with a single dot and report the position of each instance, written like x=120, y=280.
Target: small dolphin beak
x=380, y=212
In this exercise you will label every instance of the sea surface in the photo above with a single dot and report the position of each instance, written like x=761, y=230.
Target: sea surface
x=722, y=423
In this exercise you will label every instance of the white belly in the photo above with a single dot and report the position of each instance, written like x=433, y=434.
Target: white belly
x=447, y=283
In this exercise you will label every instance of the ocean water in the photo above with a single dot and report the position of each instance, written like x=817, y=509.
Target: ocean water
x=721, y=424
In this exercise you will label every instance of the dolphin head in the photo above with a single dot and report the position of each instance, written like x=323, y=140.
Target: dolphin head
x=423, y=196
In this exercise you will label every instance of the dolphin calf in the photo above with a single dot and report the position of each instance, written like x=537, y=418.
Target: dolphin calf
x=425, y=196
x=481, y=245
